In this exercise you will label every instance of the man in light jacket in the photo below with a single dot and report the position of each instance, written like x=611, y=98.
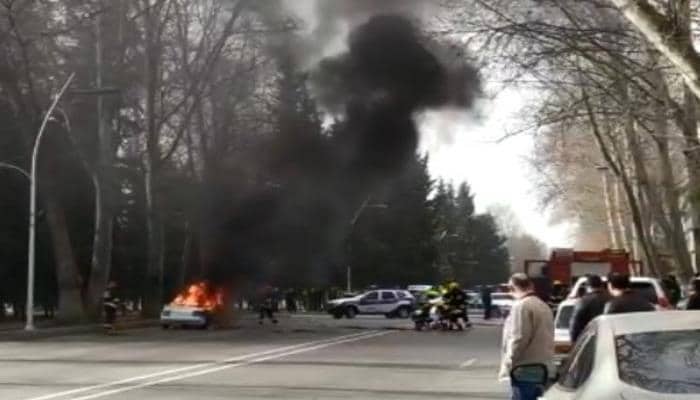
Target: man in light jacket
x=528, y=335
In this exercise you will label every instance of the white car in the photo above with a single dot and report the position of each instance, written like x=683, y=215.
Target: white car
x=562, y=321
x=389, y=302
x=185, y=316
x=635, y=356
x=650, y=288
x=502, y=303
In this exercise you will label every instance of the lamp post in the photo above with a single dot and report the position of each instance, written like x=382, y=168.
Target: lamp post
x=15, y=168
x=29, y=326
x=356, y=216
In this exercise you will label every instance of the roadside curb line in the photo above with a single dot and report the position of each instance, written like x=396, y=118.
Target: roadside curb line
x=41, y=333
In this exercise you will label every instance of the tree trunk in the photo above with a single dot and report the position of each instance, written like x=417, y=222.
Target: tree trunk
x=666, y=36
x=677, y=240
x=692, y=162
x=186, y=256
x=613, y=235
x=674, y=231
x=618, y=166
x=70, y=304
x=101, y=261
x=153, y=289
x=619, y=211
x=689, y=127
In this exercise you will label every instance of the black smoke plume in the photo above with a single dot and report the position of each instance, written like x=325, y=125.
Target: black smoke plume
x=387, y=76
x=374, y=91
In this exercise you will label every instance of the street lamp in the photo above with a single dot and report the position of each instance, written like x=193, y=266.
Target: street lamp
x=29, y=326
x=15, y=168
x=356, y=216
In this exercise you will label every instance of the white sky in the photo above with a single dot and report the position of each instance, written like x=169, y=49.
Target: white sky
x=463, y=149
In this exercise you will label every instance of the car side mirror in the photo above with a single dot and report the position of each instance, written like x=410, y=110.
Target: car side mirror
x=536, y=374
x=559, y=368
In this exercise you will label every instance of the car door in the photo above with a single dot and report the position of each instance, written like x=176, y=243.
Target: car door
x=577, y=369
x=389, y=301
x=369, y=303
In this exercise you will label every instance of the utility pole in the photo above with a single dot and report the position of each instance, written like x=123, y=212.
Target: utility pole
x=356, y=216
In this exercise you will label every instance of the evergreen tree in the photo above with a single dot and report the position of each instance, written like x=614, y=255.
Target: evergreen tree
x=471, y=249
x=393, y=244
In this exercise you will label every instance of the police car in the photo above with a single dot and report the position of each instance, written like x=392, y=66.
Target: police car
x=391, y=303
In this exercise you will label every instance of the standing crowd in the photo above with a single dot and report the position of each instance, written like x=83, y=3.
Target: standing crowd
x=528, y=332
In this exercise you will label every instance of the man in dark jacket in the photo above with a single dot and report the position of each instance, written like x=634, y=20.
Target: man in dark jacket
x=624, y=299
x=673, y=288
x=694, y=298
x=486, y=301
x=590, y=306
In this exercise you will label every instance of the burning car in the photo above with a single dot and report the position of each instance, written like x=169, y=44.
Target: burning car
x=195, y=306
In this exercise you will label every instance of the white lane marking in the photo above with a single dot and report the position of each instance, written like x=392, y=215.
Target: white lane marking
x=468, y=363
x=192, y=367
x=227, y=366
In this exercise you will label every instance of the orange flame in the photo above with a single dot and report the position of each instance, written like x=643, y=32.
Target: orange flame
x=200, y=295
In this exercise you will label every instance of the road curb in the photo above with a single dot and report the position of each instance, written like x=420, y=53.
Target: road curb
x=57, y=331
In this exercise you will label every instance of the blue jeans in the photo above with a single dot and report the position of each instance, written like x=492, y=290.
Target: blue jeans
x=526, y=391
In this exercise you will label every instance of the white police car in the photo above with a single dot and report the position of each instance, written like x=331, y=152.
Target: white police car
x=389, y=302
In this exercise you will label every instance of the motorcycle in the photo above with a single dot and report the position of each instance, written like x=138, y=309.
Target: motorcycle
x=428, y=314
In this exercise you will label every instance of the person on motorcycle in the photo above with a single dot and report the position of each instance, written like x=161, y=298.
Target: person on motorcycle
x=456, y=301
x=426, y=302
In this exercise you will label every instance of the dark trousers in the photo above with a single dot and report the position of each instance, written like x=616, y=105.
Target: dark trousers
x=487, y=311
x=110, y=315
x=525, y=391
x=266, y=312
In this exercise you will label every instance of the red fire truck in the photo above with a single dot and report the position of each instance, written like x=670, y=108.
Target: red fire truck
x=565, y=266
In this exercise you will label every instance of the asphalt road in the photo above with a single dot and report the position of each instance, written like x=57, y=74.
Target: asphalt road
x=305, y=357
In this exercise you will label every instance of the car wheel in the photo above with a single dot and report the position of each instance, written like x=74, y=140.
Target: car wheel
x=403, y=312
x=165, y=326
x=350, y=312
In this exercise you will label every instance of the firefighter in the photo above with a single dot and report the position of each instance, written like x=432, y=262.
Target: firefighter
x=266, y=304
x=110, y=304
x=456, y=300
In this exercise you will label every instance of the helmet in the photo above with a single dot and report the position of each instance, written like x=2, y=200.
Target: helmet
x=453, y=285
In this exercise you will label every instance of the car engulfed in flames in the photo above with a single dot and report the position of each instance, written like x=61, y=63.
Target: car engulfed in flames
x=195, y=306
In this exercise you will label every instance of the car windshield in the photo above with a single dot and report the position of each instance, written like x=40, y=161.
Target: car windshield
x=564, y=317
x=662, y=362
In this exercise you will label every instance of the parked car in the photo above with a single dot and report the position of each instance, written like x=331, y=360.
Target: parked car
x=633, y=356
x=185, y=316
x=417, y=290
x=650, y=288
x=562, y=334
x=389, y=302
x=501, y=303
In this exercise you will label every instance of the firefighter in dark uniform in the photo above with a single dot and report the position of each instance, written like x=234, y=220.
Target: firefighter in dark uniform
x=110, y=303
x=266, y=304
x=456, y=300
